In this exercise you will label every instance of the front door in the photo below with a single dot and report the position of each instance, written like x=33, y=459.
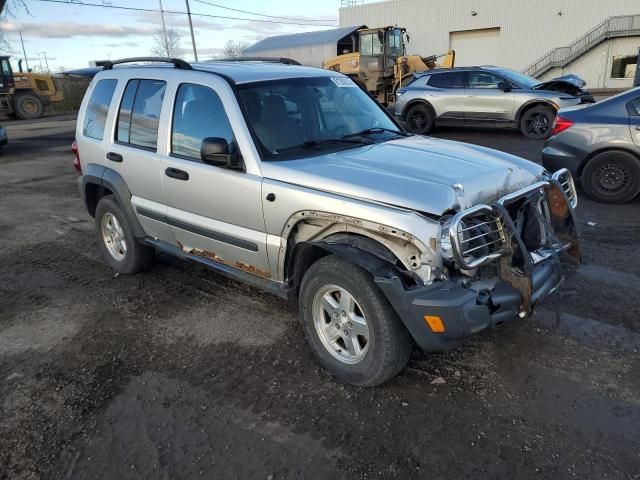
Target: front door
x=214, y=212
x=484, y=101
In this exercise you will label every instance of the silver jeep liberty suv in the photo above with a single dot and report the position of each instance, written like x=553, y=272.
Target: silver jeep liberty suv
x=294, y=180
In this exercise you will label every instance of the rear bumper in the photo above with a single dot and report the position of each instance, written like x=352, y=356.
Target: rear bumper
x=557, y=154
x=465, y=311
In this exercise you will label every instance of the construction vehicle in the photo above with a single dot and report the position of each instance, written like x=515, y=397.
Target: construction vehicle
x=25, y=94
x=375, y=58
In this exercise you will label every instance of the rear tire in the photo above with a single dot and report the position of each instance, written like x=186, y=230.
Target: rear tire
x=537, y=122
x=612, y=177
x=28, y=106
x=339, y=300
x=420, y=119
x=119, y=246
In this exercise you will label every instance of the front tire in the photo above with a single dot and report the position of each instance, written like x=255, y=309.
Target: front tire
x=119, y=246
x=350, y=326
x=420, y=119
x=28, y=106
x=612, y=177
x=537, y=122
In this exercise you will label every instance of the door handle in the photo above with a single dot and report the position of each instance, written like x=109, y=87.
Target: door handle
x=176, y=173
x=114, y=157
x=637, y=128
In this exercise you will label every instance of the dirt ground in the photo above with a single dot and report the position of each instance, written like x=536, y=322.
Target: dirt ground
x=181, y=373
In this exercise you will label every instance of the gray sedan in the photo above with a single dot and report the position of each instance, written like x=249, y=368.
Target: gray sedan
x=486, y=96
x=600, y=145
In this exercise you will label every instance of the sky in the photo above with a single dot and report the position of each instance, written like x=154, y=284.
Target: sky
x=72, y=35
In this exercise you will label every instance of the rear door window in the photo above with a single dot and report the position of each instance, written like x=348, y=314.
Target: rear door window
x=139, y=114
x=447, y=80
x=198, y=113
x=95, y=116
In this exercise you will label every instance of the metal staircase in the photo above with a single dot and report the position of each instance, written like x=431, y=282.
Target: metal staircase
x=620, y=26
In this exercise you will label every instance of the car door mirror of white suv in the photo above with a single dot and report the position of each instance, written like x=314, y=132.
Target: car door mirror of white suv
x=216, y=151
x=504, y=86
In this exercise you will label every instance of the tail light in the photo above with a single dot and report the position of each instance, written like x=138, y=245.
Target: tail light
x=560, y=124
x=76, y=160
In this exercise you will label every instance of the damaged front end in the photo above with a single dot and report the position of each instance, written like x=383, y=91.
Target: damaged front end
x=569, y=84
x=499, y=261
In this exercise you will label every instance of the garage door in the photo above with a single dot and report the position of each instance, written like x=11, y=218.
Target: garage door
x=476, y=47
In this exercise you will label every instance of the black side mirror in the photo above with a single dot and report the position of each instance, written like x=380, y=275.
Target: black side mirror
x=505, y=86
x=216, y=151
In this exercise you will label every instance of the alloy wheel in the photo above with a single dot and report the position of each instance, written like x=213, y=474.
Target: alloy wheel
x=113, y=236
x=340, y=324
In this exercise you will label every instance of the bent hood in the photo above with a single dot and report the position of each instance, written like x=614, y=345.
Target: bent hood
x=571, y=84
x=418, y=173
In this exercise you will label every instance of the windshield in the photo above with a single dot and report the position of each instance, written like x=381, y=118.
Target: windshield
x=303, y=117
x=394, y=43
x=525, y=81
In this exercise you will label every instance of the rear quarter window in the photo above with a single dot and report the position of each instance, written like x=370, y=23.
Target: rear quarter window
x=447, y=80
x=95, y=116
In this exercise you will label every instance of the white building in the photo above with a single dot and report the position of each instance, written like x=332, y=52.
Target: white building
x=595, y=39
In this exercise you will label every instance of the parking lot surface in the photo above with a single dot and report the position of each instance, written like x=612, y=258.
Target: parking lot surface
x=181, y=373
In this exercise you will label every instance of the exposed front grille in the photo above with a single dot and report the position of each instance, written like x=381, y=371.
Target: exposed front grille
x=477, y=236
x=481, y=234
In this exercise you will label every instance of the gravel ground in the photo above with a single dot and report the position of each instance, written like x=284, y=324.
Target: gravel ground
x=182, y=373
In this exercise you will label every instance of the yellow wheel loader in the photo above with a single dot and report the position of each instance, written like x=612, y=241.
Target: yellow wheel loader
x=380, y=64
x=24, y=94
x=375, y=58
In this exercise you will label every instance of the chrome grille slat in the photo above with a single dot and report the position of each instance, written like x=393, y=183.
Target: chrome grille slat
x=466, y=240
x=466, y=252
x=564, y=178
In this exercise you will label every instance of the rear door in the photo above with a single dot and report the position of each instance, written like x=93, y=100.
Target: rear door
x=215, y=212
x=485, y=102
x=447, y=95
x=133, y=151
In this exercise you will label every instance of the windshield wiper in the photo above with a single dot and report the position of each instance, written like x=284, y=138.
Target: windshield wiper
x=369, y=131
x=315, y=143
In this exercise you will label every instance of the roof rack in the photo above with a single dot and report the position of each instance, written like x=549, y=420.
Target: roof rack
x=178, y=63
x=286, y=61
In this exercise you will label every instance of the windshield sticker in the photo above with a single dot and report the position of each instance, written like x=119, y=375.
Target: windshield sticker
x=343, y=82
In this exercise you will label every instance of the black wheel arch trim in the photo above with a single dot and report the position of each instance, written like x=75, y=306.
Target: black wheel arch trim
x=417, y=101
x=534, y=103
x=102, y=176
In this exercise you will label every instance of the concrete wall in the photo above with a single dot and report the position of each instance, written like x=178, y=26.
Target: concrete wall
x=595, y=66
x=528, y=29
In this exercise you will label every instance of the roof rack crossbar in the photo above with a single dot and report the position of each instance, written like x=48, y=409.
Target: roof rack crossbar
x=286, y=61
x=177, y=62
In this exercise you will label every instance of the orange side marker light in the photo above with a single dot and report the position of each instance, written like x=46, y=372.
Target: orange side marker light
x=435, y=323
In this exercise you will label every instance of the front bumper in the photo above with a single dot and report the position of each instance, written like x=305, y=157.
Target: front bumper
x=465, y=311
x=524, y=279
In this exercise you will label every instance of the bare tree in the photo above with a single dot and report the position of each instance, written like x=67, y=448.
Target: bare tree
x=167, y=45
x=233, y=49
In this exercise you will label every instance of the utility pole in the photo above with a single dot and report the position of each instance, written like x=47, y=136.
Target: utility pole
x=193, y=38
x=24, y=52
x=46, y=61
x=164, y=30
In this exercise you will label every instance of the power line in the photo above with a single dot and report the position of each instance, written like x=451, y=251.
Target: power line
x=139, y=9
x=264, y=14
